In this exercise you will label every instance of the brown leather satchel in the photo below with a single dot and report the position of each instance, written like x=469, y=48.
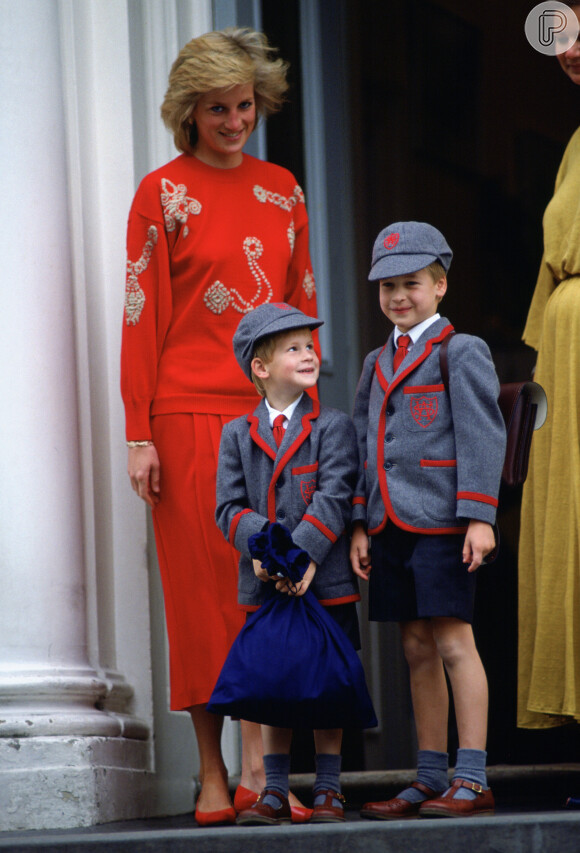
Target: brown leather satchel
x=524, y=408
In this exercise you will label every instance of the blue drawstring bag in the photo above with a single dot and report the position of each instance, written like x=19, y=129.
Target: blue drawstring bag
x=292, y=665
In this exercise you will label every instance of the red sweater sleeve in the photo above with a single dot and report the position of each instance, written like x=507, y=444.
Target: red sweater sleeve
x=147, y=311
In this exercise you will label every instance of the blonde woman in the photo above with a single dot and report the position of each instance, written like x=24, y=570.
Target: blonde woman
x=211, y=235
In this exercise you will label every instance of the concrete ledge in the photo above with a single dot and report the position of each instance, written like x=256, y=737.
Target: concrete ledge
x=511, y=833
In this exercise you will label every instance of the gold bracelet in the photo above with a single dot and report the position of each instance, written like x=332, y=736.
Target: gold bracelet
x=139, y=443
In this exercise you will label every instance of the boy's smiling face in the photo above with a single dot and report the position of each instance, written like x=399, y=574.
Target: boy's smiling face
x=292, y=368
x=409, y=299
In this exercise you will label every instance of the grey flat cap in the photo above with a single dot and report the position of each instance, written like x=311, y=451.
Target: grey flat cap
x=267, y=319
x=405, y=247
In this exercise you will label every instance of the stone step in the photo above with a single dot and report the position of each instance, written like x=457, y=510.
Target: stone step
x=530, y=818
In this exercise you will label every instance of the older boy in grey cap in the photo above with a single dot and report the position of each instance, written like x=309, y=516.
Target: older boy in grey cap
x=295, y=462
x=431, y=465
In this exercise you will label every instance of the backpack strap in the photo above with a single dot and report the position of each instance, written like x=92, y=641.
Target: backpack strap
x=444, y=361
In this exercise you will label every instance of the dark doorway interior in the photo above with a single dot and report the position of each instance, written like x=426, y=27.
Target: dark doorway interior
x=459, y=122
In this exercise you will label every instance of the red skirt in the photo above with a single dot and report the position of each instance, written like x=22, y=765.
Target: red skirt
x=199, y=569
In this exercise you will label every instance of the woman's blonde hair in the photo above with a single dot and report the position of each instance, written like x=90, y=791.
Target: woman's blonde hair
x=217, y=60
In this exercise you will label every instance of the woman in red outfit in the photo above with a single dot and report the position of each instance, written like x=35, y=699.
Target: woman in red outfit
x=211, y=235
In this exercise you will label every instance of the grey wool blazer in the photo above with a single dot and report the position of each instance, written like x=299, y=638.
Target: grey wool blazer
x=430, y=461
x=306, y=484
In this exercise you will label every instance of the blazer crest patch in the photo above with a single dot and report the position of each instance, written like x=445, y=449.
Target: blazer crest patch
x=307, y=489
x=424, y=410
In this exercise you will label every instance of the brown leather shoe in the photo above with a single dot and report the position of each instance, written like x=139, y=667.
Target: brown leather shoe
x=261, y=814
x=398, y=809
x=447, y=806
x=326, y=812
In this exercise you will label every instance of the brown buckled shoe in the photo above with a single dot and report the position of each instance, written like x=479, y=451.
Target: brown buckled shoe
x=261, y=814
x=448, y=806
x=326, y=812
x=398, y=809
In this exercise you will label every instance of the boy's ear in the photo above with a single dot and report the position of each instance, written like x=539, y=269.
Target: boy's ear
x=259, y=368
x=441, y=287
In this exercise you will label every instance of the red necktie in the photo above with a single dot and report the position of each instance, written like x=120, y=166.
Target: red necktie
x=403, y=342
x=278, y=429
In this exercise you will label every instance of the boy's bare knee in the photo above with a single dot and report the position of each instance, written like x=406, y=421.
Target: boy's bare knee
x=418, y=643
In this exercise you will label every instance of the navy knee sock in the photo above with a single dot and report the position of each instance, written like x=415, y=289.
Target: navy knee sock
x=327, y=777
x=277, y=767
x=470, y=765
x=431, y=771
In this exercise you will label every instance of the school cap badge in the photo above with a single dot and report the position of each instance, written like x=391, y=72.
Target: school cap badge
x=405, y=247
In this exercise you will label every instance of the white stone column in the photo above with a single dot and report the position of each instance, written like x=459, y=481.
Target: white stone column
x=72, y=750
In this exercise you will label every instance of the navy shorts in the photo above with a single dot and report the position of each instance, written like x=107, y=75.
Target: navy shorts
x=347, y=617
x=419, y=576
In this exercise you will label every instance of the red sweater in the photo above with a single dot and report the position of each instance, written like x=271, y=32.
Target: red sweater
x=204, y=247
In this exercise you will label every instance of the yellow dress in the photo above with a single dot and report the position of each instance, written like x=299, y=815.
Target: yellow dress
x=549, y=549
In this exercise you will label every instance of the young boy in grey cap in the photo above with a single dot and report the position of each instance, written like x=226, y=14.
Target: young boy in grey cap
x=431, y=465
x=295, y=462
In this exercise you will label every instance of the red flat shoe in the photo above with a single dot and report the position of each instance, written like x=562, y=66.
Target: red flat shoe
x=218, y=818
x=300, y=814
x=244, y=798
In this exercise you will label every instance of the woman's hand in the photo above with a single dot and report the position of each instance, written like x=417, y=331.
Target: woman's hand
x=144, y=472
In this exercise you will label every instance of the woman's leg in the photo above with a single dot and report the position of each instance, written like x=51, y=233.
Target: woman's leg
x=213, y=774
x=253, y=777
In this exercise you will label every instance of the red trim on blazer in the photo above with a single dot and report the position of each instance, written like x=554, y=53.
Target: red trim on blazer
x=322, y=527
x=326, y=602
x=389, y=388
x=476, y=496
x=234, y=525
x=332, y=602
x=438, y=463
x=431, y=531
x=423, y=389
x=298, y=442
x=361, y=501
x=255, y=435
x=306, y=469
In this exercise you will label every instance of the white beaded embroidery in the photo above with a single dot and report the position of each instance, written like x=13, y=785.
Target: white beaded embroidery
x=309, y=284
x=134, y=295
x=291, y=235
x=217, y=297
x=285, y=203
x=177, y=205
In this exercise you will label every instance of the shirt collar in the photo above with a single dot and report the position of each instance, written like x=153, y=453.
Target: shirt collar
x=416, y=332
x=288, y=412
